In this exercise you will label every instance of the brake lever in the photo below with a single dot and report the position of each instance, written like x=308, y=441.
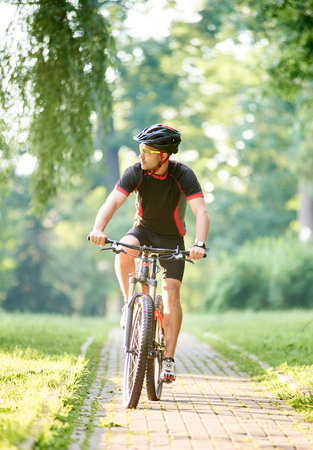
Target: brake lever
x=189, y=260
x=115, y=248
x=180, y=256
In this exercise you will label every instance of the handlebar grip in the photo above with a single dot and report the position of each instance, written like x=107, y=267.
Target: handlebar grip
x=106, y=241
x=186, y=252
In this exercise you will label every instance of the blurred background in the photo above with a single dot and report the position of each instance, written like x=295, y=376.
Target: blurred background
x=235, y=77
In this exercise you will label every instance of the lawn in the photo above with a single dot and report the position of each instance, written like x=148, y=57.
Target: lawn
x=282, y=339
x=43, y=378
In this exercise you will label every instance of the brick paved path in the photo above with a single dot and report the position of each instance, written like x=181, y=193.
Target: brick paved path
x=212, y=405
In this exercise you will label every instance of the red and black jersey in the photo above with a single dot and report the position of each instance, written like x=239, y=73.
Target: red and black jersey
x=161, y=200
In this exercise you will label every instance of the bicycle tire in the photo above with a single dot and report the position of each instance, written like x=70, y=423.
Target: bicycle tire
x=154, y=366
x=136, y=362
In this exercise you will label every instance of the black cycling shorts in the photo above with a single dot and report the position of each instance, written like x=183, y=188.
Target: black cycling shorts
x=169, y=268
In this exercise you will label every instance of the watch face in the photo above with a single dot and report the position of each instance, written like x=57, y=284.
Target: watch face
x=200, y=244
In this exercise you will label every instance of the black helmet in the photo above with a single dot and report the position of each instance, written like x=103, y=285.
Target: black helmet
x=160, y=137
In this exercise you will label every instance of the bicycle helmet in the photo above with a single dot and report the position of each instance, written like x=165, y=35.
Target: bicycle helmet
x=161, y=137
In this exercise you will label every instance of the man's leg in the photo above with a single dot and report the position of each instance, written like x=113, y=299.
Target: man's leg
x=172, y=314
x=125, y=264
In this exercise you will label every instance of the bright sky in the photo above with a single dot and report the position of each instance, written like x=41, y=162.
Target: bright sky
x=6, y=15
x=152, y=20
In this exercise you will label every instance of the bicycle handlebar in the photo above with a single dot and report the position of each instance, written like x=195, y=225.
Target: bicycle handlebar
x=151, y=250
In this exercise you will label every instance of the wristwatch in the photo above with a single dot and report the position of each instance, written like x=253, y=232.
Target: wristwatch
x=200, y=244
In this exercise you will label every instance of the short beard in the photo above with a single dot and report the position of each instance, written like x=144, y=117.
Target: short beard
x=156, y=168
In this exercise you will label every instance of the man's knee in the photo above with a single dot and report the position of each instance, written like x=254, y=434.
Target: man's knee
x=130, y=239
x=170, y=284
x=171, y=289
x=125, y=258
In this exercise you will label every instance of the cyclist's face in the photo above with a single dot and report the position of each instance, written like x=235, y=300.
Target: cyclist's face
x=149, y=157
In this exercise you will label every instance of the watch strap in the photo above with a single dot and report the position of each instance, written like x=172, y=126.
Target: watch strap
x=200, y=244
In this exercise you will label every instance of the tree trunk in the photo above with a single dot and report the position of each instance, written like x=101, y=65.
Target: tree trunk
x=110, y=151
x=305, y=213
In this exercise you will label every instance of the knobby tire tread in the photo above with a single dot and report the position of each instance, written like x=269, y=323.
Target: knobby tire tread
x=154, y=390
x=146, y=328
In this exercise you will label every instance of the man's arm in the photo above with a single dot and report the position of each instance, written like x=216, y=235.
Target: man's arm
x=199, y=209
x=105, y=214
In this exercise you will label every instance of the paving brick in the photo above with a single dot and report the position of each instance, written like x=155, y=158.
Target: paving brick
x=211, y=406
x=205, y=444
x=224, y=444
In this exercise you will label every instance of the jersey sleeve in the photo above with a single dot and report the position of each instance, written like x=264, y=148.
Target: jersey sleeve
x=190, y=184
x=128, y=181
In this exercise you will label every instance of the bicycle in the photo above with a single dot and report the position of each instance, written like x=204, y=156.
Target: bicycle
x=144, y=330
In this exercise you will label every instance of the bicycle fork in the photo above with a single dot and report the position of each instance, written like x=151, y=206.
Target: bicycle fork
x=129, y=318
x=130, y=308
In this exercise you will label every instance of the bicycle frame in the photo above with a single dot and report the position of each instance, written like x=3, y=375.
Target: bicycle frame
x=147, y=280
x=144, y=328
x=144, y=278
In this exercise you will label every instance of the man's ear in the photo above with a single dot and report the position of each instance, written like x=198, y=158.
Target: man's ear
x=165, y=156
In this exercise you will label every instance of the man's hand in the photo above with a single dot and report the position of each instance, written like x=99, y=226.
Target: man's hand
x=97, y=237
x=196, y=253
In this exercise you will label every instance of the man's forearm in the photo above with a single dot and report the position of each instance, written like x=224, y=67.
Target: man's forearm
x=103, y=217
x=106, y=212
x=202, y=226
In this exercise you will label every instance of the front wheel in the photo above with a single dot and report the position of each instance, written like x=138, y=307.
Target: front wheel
x=136, y=359
x=154, y=366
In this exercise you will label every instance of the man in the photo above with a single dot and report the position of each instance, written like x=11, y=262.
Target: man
x=162, y=188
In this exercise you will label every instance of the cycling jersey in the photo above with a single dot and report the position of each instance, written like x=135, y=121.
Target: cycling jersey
x=161, y=199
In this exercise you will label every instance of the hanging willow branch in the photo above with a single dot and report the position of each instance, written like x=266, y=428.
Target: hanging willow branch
x=58, y=77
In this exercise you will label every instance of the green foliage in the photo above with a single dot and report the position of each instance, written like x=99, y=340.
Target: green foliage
x=266, y=274
x=31, y=292
x=6, y=168
x=240, y=143
x=214, y=98
x=47, y=265
x=23, y=254
x=304, y=158
x=288, y=26
x=13, y=223
x=59, y=80
x=285, y=28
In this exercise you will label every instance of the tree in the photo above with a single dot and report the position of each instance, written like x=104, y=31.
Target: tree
x=287, y=25
x=52, y=86
x=238, y=142
x=23, y=255
x=287, y=28
x=31, y=292
x=46, y=264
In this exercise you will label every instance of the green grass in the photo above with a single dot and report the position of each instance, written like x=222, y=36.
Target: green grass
x=43, y=380
x=282, y=339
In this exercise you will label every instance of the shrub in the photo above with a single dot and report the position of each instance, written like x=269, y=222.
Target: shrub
x=269, y=273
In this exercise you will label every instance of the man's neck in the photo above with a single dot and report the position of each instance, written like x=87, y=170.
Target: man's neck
x=162, y=170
